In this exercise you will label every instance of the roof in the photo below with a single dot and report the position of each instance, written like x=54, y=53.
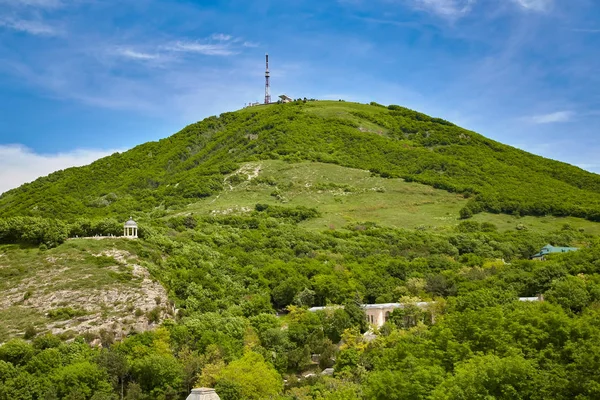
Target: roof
x=529, y=299
x=131, y=223
x=549, y=249
x=285, y=97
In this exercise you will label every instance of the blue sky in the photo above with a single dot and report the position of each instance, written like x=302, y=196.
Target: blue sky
x=80, y=79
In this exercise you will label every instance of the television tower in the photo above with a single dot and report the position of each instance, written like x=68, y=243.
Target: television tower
x=267, y=83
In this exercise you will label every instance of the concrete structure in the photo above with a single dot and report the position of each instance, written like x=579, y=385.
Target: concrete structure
x=203, y=394
x=130, y=229
x=378, y=314
x=549, y=249
x=527, y=299
x=285, y=98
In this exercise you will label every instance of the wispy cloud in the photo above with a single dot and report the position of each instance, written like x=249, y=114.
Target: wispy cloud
x=221, y=37
x=535, y=5
x=559, y=116
x=382, y=21
x=29, y=26
x=217, y=44
x=207, y=49
x=19, y=164
x=445, y=8
x=136, y=55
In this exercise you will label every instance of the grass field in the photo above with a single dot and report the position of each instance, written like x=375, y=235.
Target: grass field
x=346, y=195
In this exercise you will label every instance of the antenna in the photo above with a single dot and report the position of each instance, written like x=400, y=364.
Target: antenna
x=267, y=83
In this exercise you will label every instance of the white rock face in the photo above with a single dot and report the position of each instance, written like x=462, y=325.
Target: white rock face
x=203, y=394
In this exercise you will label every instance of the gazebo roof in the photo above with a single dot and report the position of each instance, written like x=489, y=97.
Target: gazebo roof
x=131, y=223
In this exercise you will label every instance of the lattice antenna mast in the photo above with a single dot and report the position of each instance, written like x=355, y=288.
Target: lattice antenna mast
x=267, y=83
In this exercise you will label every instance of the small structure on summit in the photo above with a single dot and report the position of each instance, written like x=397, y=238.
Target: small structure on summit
x=285, y=98
x=282, y=98
x=549, y=249
x=130, y=229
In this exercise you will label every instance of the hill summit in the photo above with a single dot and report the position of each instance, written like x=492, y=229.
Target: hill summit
x=390, y=142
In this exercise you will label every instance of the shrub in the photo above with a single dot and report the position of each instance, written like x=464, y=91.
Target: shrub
x=65, y=313
x=466, y=213
x=30, y=332
x=154, y=315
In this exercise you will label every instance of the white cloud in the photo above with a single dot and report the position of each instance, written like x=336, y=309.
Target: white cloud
x=559, y=116
x=29, y=26
x=136, y=55
x=535, y=5
x=445, y=8
x=221, y=37
x=19, y=164
x=207, y=49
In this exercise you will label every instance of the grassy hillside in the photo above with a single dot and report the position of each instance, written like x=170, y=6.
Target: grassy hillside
x=248, y=219
x=389, y=142
x=85, y=286
x=345, y=196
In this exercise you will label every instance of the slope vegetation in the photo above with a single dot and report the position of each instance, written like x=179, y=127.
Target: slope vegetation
x=345, y=196
x=388, y=141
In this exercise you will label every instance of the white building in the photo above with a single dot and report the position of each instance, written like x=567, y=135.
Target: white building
x=378, y=314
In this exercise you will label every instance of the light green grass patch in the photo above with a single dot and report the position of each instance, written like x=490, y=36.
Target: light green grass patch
x=347, y=195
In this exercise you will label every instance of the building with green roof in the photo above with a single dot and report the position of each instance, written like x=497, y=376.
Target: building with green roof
x=549, y=249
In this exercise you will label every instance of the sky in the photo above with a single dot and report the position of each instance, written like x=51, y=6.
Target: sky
x=81, y=79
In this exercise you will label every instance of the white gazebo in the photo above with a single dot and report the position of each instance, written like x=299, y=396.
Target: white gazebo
x=130, y=229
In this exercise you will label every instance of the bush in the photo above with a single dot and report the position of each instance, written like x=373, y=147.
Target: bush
x=65, y=313
x=466, y=213
x=30, y=332
x=154, y=315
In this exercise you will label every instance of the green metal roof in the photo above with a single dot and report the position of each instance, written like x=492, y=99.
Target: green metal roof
x=549, y=249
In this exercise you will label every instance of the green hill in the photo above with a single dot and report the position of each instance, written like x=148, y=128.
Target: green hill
x=390, y=142
x=249, y=219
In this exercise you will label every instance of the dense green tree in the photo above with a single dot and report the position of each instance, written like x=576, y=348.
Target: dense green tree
x=250, y=378
x=570, y=292
x=490, y=376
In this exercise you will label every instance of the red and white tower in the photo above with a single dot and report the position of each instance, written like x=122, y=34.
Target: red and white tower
x=267, y=83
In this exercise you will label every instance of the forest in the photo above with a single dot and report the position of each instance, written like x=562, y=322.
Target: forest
x=242, y=286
